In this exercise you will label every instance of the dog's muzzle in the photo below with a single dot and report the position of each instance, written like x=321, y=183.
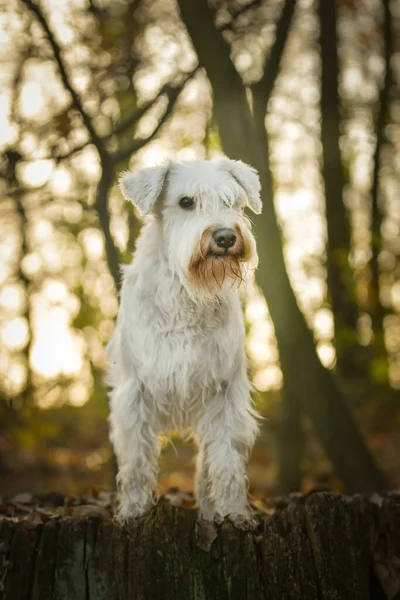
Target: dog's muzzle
x=224, y=238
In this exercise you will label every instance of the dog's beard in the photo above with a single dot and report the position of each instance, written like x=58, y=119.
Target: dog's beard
x=213, y=269
x=213, y=272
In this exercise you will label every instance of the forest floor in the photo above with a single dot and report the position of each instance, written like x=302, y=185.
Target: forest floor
x=66, y=450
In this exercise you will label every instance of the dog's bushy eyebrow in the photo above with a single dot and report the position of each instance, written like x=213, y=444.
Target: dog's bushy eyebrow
x=210, y=198
x=215, y=202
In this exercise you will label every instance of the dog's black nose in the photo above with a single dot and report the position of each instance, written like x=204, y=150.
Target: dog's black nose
x=224, y=238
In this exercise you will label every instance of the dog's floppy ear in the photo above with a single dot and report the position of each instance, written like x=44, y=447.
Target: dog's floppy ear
x=248, y=179
x=144, y=187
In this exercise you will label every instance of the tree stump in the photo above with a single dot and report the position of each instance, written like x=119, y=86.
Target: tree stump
x=324, y=546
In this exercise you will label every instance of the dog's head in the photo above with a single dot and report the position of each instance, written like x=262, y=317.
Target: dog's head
x=199, y=205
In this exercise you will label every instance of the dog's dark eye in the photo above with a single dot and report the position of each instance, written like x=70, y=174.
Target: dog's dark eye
x=186, y=203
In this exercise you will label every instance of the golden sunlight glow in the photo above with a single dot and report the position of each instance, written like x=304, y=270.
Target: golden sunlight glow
x=11, y=297
x=32, y=100
x=256, y=309
x=16, y=374
x=14, y=334
x=61, y=181
x=327, y=354
x=153, y=154
x=394, y=374
x=88, y=163
x=57, y=349
x=78, y=394
x=396, y=296
x=259, y=350
x=56, y=291
x=269, y=378
x=323, y=323
x=37, y=173
x=31, y=264
x=64, y=264
x=93, y=243
x=149, y=84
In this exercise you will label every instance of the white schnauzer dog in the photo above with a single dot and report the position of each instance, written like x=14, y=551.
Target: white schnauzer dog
x=177, y=357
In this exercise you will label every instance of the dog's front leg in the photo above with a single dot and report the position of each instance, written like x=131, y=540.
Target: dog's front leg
x=134, y=435
x=229, y=436
x=204, y=499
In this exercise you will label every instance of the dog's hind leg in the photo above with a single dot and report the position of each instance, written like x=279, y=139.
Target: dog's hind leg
x=134, y=436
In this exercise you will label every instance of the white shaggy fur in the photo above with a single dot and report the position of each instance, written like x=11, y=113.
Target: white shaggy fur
x=177, y=354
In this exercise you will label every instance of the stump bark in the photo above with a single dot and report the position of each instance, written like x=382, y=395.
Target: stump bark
x=324, y=546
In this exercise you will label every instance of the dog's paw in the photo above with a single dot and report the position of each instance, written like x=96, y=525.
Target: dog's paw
x=243, y=522
x=125, y=516
x=218, y=519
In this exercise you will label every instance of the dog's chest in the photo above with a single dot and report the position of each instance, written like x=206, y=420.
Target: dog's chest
x=184, y=347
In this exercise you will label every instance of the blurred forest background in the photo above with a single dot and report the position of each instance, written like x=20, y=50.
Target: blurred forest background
x=307, y=91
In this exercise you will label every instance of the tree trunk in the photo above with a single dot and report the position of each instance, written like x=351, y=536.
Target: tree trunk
x=306, y=381
x=340, y=277
x=291, y=444
x=376, y=310
x=291, y=438
x=321, y=547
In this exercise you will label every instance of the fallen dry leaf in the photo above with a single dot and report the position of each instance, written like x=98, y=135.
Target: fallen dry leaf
x=376, y=499
x=388, y=573
x=205, y=534
x=23, y=498
x=177, y=497
x=387, y=566
x=89, y=510
x=35, y=517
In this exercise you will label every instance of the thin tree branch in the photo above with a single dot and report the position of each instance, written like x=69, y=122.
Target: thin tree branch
x=135, y=117
x=262, y=90
x=76, y=101
x=105, y=183
x=238, y=13
x=107, y=159
x=58, y=157
x=173, y=95
x=101, y=207
x=230, y=107
x=130, y=121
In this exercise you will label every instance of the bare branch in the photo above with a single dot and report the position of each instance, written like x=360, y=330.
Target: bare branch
x=107, y=159
x=238, y=13
x=101, y=207
x=230, y=106
x=168, y=90
x=135, y=117
x=59, y=156
x=173, y=94
x=105, y=183
x=262, y=90
x=76, y=101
